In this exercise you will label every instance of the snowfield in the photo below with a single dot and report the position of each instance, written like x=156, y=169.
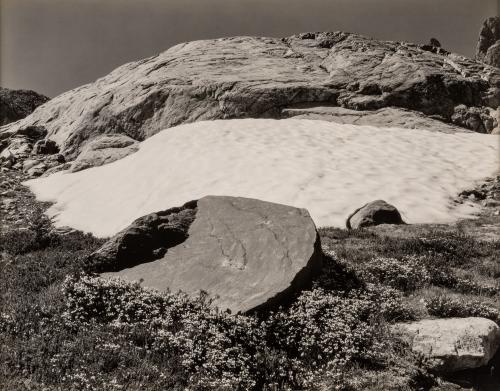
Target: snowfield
x=330, y=169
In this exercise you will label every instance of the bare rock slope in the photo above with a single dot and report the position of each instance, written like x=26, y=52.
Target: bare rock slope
x=247, y=254
x=263, y=77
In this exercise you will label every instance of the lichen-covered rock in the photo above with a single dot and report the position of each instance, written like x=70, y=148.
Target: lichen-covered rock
x=453, y=344
x=104, y=149
x=17, y=104
x=374, y=213
x=260, y=77
x=248, y=254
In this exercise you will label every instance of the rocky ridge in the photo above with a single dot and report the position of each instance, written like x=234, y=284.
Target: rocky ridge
x=259, y=77
x=488, y=46
x=17, y=104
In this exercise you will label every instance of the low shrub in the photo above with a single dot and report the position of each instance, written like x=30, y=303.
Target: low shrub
x=442, y=275
x=452, y=248
x=35, y=237
x=445, y=306
x=325, y=332
x=406, y=274
x=322, y=332
x=391, y=304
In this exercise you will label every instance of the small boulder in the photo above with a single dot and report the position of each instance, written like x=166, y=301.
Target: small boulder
x=103, y=150
x=476, y=119
x=36, y=170
x=45, y=147
x=17, y=147
x=374, y=213
x=29, y=163
x=453, y=344
x=33, y=132
x=249, y=255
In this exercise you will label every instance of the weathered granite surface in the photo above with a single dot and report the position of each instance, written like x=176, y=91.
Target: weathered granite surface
x=261, y=77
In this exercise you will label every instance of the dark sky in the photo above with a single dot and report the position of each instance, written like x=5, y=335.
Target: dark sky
x=51, y=46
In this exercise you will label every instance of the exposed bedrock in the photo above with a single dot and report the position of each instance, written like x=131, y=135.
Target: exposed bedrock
x=261, y=77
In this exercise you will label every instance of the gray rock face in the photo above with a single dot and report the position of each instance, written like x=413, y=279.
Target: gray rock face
x=488, y=49
x=104, y=149
x=386, y=117
x=45, y=147
x=493, y=55
x=476, y=119
x=260, y=77
x=17, y=104
x=146, y=239
x=453, y=344
x=249, y=254
x=374, y=213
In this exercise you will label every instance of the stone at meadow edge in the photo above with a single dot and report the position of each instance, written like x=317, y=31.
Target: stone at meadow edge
x=453, y=344
x=374, y=213
x=259, y=77
x=249, y=254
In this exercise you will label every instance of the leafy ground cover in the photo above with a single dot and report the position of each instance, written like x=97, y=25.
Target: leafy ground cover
x=61, y=328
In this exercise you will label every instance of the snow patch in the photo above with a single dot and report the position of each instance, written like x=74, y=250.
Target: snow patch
x=330, y=169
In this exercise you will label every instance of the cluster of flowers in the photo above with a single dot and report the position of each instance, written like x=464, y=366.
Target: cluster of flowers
x=317, y=336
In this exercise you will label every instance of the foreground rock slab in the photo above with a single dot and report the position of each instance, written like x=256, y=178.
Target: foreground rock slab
x=248, y=254
x=453, y=344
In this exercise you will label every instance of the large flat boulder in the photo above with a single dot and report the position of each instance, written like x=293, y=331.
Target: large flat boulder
x=247, y=254
x=258, y=77
x=453, y=344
